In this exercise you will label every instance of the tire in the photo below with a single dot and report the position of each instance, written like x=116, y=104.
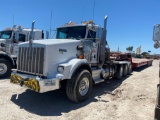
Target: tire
x=74, y=87
x=125, y=70
x=5, y=68
x=150, y=63
x=129, y=69
x=119, y=72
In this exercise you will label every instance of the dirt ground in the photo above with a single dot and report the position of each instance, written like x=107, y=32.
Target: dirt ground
x=132, y=98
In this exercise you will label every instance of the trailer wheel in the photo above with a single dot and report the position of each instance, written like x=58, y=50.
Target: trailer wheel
x=5, y=68
x=119, y=72
x=129, y=69
x=79, y=87
x=150, y=63
x=125, y=70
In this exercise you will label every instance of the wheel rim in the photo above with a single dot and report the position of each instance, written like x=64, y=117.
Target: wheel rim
x=84, y=86
x=3, y=68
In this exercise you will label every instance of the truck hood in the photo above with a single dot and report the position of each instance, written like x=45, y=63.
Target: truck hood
x=56, y=51
x=50, y=42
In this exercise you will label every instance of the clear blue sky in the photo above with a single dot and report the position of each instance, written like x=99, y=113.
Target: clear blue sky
x=130, y=22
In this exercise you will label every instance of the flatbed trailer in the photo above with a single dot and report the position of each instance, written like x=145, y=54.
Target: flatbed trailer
x=135, y=62
x=138, y=62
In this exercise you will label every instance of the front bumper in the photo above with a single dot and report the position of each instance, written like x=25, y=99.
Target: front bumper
x=34, y=82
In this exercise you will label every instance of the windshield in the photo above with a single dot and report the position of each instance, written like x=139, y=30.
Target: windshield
x=5, y=34
x=77, y=32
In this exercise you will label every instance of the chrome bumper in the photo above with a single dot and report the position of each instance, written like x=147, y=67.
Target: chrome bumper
x=34, y=82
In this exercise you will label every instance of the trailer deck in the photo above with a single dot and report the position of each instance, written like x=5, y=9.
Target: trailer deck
x=138, y=62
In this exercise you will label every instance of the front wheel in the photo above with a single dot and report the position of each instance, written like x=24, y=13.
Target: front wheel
x=79, y=86
x=5, y=68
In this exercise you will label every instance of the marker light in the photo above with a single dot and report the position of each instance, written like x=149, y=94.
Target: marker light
x=7, y=29
x=91, y=21
x=80, y=57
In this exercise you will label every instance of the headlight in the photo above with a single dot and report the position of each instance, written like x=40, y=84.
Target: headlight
x=60, y=69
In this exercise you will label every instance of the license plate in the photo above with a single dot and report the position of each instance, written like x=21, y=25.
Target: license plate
x=49, y=83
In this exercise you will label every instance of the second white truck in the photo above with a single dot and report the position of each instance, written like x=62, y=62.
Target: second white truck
x=9, y=40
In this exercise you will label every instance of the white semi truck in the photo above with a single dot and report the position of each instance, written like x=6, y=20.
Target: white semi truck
x=9, y=40
x=76, y=59
x=156, y=39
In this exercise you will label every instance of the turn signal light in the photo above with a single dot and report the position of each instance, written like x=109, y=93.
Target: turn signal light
x=91, y=21
x=19, y=27
x=81, y=57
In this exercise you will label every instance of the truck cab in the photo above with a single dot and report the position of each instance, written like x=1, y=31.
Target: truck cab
x=9, y=40
x=91, y=37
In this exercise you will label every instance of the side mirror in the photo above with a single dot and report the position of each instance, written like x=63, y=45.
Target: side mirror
x=16, y=39
x=156, y=32
x=156, y=35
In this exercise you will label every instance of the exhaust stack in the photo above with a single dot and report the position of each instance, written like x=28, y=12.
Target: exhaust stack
x=105, y=26
x=14, y=27
x=47, y=34
x=103, y=42
x=105, y=22
x=31, y=34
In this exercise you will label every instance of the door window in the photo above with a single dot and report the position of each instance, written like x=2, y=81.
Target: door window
x=22, y=38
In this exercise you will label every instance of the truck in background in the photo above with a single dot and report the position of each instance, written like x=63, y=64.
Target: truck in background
x=9, y=40
x=156, y=39
x=77, y=59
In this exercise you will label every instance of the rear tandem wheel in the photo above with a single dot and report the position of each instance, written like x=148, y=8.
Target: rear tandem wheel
x=119, y=72
x=125, y=70
x=129, y=69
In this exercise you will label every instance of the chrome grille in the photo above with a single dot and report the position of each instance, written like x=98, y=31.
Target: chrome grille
x=31, y=60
